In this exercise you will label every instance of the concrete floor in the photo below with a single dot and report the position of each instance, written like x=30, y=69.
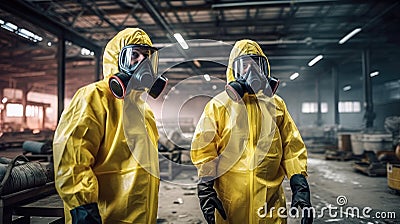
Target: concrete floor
x=328, y=180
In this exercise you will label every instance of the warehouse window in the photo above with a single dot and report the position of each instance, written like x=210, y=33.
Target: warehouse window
x=14, y=110
x=312, y=107
x=34, y=111
x=349, y=106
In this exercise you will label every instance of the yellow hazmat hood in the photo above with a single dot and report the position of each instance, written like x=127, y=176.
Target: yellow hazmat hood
x=125, y=37
x=243, y=47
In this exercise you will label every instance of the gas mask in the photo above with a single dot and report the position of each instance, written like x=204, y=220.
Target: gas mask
x=139, y=63
x=251, y=74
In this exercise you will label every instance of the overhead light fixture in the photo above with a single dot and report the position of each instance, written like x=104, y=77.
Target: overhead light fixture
x=347, y=88
x=4, y=100
x=26, y=32
x=9, y=26
x=207, y=77
x=181, y=41
x=85, y=51
x=294, y=76
x=349, y=35
x=20, y=31
x=315, y=60
x=29, y=35
x=375, y=73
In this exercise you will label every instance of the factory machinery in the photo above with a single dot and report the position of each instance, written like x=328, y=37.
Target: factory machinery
x=374, y=153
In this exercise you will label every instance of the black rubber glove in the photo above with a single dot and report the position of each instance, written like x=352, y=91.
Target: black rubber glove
x=301, y=197
x=209, y=201
x=86, y=214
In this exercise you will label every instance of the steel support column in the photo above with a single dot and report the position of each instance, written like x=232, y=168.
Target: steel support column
x=60, y=75
x=369, y=115
x=335, y=87
x=24, y=105
x=98, y=69
x=318, y=95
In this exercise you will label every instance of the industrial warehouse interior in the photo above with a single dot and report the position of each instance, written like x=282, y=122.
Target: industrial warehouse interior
x=337, y=66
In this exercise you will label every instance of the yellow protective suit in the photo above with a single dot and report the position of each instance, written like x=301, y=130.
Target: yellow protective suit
x=249, y=147
x=92, y=160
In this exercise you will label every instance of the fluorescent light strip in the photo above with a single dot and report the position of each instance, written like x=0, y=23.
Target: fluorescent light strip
x=349, y=35
x=315, y=60
x=181, y=41
x=24, y=35
x=7, y=28
x=11, y=25
x=375, y=73
x=347, y=88
x=26, y=32
x=20, y=31
x=294, y=76
x=39, y=38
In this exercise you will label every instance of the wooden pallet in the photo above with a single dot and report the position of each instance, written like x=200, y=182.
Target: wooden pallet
x=338, y=155
x=371, y=169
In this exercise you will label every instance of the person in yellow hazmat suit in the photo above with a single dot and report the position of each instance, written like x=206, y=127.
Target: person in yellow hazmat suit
x=100, y=173
x=244, y=145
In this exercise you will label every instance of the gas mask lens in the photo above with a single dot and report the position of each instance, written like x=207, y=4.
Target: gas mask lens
x=242, y=65
x=252, y=70
x=131, y=56
x=251, y=74
x=137, y=63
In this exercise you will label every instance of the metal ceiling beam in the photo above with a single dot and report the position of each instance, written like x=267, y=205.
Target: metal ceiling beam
x=174, y=11
x=127, y=9
x=24, y=11
x=374, y=20
x=333, y=21
x=158, y=18
x=99, y=14
x=262, y=3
